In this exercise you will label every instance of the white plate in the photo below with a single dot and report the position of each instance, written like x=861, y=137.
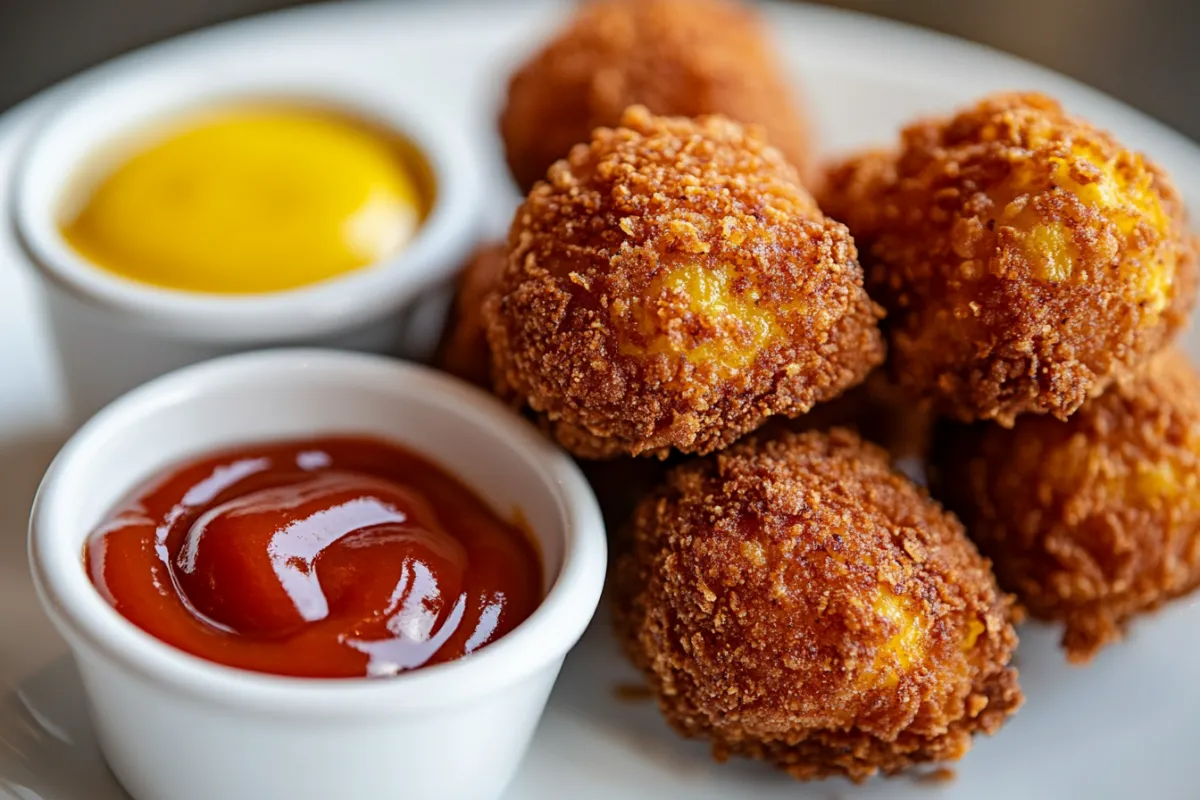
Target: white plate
x=1126, y=726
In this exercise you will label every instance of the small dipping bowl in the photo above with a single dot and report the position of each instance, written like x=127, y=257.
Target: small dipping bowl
x=176, y=727
x=113, y=333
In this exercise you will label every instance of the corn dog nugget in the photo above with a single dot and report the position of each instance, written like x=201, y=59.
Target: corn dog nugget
x=797, y=601
x=671, y=285
x=1094, y=520
x=677, y=57
x=1026, y=259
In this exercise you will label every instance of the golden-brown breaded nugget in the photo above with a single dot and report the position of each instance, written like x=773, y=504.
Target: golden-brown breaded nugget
x=795, y=600
x=672, y=286
x=619, y=483
x=681, y=58
x=463, y=350
x=1026, y=259
x=1093, y=520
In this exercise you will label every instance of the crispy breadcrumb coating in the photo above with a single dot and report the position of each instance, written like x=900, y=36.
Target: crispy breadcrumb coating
x=682, y=58
x=795, y=600
x=1027, y=260
x=463, y=350
x=620, y=483
x=1093, y=520
x=672, y=286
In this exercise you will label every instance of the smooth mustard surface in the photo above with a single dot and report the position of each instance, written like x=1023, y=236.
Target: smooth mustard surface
x=251, y=200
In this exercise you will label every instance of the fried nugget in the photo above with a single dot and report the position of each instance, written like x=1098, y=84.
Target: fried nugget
x=619, y=484
x=795, y=600
x=1026, y=259
x=671, y=285
x=677, y=57
x=463, y=350
x=1094, y=520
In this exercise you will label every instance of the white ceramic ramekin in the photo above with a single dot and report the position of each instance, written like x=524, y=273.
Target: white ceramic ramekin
x=113, y=333
x=175, y=727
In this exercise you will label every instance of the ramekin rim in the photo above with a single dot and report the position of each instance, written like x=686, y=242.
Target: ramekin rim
x=441, y=242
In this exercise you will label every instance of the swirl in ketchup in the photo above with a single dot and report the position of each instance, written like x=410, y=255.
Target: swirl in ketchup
x=333, y=558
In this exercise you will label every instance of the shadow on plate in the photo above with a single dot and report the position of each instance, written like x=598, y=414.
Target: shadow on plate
x=46, y=747
x=27, y=640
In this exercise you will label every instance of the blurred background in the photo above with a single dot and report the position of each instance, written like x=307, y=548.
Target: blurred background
x=1144, y=52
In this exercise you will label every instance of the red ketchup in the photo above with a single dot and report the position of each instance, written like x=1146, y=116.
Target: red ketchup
x=326, y=558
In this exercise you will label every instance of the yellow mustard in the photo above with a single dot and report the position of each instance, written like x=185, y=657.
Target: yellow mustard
x=251, y=200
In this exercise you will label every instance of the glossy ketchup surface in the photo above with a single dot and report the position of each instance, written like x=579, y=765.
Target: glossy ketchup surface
x=335, y=557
